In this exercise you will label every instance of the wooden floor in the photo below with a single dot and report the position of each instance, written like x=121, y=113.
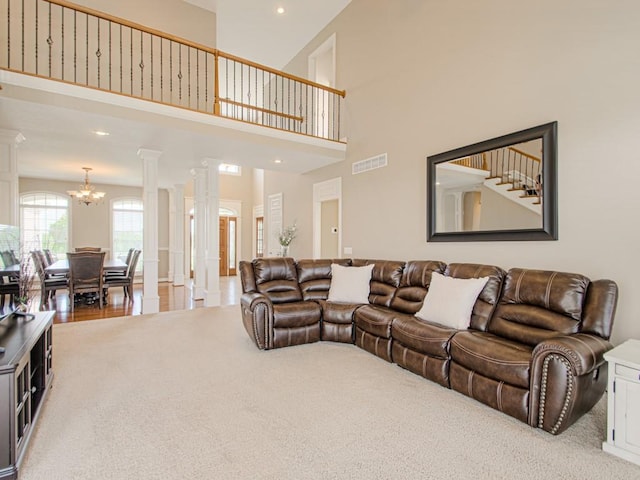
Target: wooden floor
x=171, y=298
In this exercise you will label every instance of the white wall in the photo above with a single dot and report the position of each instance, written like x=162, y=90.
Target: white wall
x=171, y=16
x=423, y=77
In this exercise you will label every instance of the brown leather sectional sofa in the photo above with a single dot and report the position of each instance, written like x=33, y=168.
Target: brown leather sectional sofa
x=533, y=350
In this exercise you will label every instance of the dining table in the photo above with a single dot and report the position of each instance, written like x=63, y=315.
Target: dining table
x=10, y=270
x=62, y=266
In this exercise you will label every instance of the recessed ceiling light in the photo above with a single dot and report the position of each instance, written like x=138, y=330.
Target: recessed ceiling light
x=280, y=10
x=277, y=160
x=101, y=133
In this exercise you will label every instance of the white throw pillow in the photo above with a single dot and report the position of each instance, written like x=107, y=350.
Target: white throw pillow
x=349, y=284
x=450, y=301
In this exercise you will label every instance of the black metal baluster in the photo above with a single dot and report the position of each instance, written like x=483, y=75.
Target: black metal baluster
x=171, y=70
x=161, y=69
x=189, y=77
x=197, y=79
x=37, y=14
x=62, y=49
x=110, y=58
x=75, y=47
x=131, y=58
x=86, y=50
x=141, y=65
x=206, y=80
x=151, y=61
x=180, y=73
x=98, y=53
x=120, y=49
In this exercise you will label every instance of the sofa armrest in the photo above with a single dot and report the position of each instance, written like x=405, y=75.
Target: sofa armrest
x=568, y=377
x=257, y=317
x=584, y=351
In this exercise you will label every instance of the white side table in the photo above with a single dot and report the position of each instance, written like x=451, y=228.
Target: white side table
x=623, y=401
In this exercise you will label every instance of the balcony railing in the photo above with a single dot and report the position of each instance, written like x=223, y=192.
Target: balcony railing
x=69, y=43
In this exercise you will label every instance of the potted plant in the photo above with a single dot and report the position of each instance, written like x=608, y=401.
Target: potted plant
x=286, y=237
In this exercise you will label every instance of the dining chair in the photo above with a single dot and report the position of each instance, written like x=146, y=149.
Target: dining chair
x=88, y=249
x=48, y=284
x=10, y=287
x=8, y=258
x=86, y=275
x=124, y=281
x=49, y=256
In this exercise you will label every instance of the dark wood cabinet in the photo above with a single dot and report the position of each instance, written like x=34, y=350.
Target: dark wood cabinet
x=25, y=378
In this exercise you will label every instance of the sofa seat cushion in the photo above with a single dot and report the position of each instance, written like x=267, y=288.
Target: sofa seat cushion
x=375, y=320
x=295, y=314
x=341, y=313
x=492, y=356
x=422, y=336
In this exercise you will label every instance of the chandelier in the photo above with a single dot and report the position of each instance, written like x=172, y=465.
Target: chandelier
x=87, y=193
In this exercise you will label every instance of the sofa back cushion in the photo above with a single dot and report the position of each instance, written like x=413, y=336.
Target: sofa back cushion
x=600, y=308
x=385, y=279
x=536, y=305
x=314, y=277
x=277, y=278
x=247, y=278
x=490, y=294
x=414, y=284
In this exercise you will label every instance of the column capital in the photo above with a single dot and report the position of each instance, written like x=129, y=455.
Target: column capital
x=197, y=171
x=149, y=154
x=210, y=162
x=11, y=136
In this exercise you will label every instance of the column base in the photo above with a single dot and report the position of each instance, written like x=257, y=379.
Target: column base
x=212, y=299
x=150, y=304
x=178, y=280
x=197, y=293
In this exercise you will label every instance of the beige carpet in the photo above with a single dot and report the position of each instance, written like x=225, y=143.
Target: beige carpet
x=186, y=395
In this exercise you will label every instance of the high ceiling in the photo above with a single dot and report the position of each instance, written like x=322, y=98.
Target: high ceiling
x=253, y=29
x=58, y=126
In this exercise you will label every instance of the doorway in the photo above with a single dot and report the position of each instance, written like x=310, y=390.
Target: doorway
x=322, y=70
x=228, y=244
x=327, y=219
x=229, y=238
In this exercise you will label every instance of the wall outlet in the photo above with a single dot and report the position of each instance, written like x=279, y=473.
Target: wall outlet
x=348, y=250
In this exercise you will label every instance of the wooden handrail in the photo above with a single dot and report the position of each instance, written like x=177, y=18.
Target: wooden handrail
x=525, y=154
x=263, y=110
x=342, y=93
x=213, y=51
x=135, y=26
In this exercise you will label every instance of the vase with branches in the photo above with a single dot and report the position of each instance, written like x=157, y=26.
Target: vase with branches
x=286, y=237
x=25, y=280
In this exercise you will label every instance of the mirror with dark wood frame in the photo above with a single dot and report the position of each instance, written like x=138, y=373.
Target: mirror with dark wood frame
x=504, y=188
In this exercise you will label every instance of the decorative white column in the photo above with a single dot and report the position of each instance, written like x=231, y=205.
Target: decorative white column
x=200, y=232
x=178, y=235
x=150, y=297
x=212, y=296
x=9, y=185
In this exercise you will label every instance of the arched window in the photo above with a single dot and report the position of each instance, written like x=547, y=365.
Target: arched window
x=44, y=222
x=126, y=227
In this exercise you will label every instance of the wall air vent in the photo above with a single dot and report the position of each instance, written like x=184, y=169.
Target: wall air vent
x=372, y=163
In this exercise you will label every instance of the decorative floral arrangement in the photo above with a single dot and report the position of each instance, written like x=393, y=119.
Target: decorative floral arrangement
x=287, y=235
x=25, y=280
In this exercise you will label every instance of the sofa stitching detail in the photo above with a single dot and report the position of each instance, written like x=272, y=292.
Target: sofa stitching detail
x=593, y=354
x=420, y=337
x=547, y=294
x=518, y=282
x=485, y=357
